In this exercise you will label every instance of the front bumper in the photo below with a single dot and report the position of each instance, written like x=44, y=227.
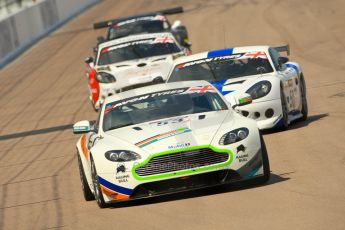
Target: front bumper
x=266, y=113
x=114, y=193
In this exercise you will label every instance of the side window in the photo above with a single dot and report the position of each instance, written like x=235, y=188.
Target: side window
x=274, y=55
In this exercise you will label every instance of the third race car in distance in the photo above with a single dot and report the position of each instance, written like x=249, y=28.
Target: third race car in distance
x=167, y=138
x=130, y=62
x=276, y=85
x=153, y=22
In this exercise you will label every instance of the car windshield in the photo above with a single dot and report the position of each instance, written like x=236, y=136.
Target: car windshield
x=160, y=105
x=136, y=27
x=222, y=68
x=138, y=49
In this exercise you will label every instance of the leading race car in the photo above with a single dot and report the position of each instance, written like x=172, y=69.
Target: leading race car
x=145, y=23
x=130, y=62
x=167, y=138
x=276, y=85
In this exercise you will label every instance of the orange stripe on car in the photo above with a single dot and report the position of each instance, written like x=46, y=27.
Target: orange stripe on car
x=112, y=194
x=83, y=146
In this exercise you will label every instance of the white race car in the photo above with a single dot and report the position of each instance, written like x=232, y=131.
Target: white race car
x=130, y=62
x=167, y=138
x=276, y=85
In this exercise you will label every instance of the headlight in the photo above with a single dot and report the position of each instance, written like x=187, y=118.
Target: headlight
x=121, y=155
x=103, y=77
x=260, y=89
x=234, y=136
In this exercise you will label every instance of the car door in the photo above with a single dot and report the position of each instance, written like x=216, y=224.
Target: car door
x=93, y=137
x=289, y=78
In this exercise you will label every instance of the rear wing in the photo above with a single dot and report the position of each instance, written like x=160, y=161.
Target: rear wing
x=105, y=24
x=281, y=49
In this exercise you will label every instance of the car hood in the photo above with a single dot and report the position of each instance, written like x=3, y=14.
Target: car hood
x=230, y=88
x=240, y=84
x=171, y=133
x=140, y=71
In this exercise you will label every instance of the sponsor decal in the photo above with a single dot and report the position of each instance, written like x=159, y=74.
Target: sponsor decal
x=170, y=121
x=179, y=145
x=259, y=54
x=162, y=136
x=189, y=90
x=207, y=60
x=122, y=178
x=201, y=89
x=242, y=158
x=121, y=168
x=214, y=58
x=143, y=97
x=241, y=148
x=165, y=39
x=123, y=45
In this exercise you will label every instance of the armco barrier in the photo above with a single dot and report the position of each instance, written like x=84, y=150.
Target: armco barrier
x=21, y=30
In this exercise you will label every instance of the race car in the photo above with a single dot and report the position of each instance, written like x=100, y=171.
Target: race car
x=277, y=86
x=167, y=138
x=130, y=62
x=145, y=23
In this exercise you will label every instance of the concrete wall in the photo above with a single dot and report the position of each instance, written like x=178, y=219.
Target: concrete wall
x=19, y=31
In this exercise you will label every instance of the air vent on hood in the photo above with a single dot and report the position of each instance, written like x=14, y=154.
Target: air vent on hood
x=233, y=83
x=202, y=116
x=118, y=66
x=141, y=64
x=137, y=128
x=159, y=59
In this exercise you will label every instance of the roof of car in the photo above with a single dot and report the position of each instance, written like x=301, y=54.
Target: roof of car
x=133, y=38
x=154, y=88
x=221, y=52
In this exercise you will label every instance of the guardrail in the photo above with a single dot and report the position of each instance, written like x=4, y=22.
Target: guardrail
x=22, y=29
x=11, y=6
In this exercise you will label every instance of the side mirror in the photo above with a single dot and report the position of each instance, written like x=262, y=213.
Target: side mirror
x=100, y=39
x=88, y=60
x=282, y=60
x=243, y=99
x=81, y=127
x=176, y=24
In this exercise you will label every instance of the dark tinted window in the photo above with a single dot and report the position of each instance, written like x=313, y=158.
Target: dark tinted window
x=220, y=69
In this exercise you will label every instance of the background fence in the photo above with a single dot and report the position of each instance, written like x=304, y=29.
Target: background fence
x=32, y=21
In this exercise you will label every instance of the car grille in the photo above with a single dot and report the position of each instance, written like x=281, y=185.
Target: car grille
x=181, y=161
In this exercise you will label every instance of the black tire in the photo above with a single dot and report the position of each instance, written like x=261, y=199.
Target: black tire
x=304, y=109
x=97, y=189
x=88, y=195
x=285, y=119
x=266, y=164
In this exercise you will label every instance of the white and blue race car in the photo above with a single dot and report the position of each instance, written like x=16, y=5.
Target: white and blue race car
x=167, y=138
x=276, y=85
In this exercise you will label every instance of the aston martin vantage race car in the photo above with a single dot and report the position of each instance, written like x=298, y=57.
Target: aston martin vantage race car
x=167, y=138
x=130, y=62
x=145, y=23
x=276, y=85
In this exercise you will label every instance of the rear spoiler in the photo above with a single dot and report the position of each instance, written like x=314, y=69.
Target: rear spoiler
x=105, y=24
x=285, y=48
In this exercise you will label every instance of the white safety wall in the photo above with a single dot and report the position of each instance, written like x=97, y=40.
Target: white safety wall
x=21, y=30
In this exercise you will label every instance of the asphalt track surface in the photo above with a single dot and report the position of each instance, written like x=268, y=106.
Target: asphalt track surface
x=44, y=91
